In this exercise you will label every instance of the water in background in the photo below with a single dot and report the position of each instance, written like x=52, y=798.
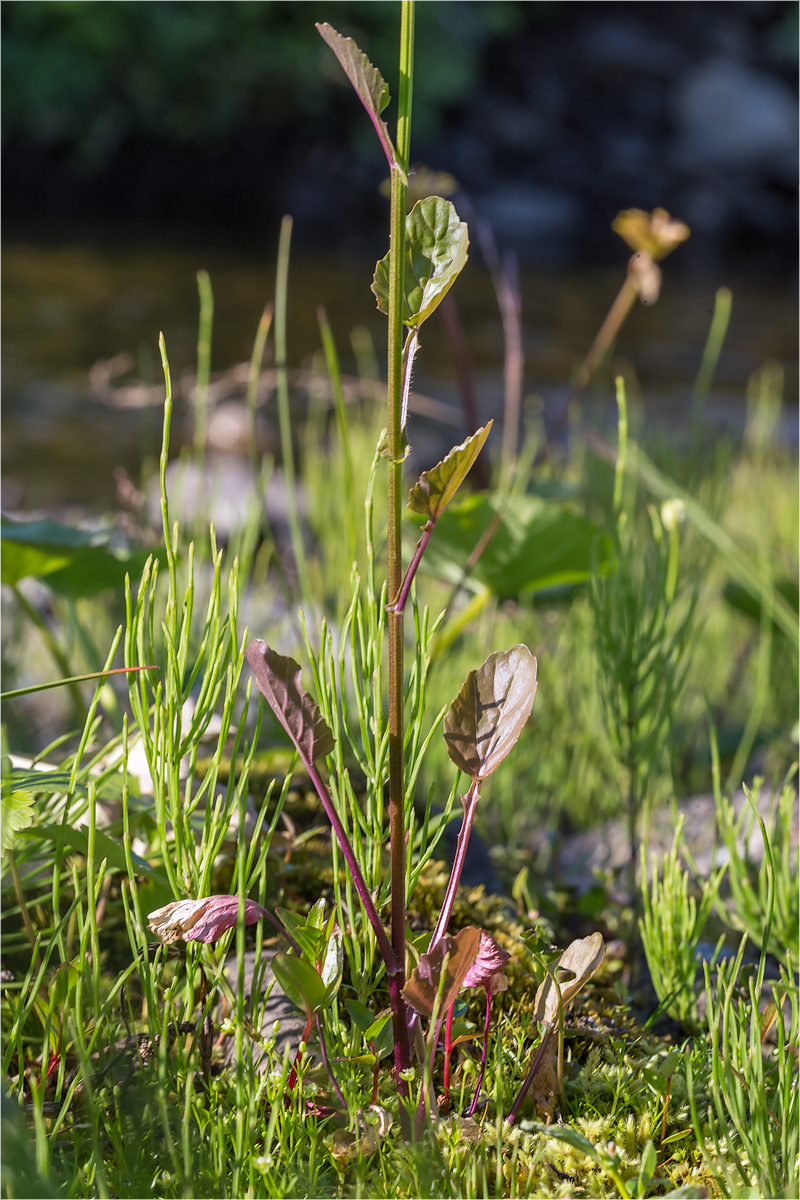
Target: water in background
x=70, y=303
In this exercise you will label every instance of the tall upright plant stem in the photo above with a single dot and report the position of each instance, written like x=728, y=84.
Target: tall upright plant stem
x=397, y=245
x=284, y=416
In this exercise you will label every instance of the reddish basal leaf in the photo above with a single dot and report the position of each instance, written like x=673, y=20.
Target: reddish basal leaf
x=489, y=961
x=201, y=920
x=423, y=984
x=278, y=678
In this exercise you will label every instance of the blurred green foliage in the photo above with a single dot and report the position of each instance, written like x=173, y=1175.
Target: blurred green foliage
x=88, y=75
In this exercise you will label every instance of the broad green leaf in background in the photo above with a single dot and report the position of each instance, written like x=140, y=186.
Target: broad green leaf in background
x=538, y=544
x=278, y=678
x=16, y=813
x=73, y=562
x=105, y=847
x=745, y=602
x=435, y=489
x=437, y=241
x=368, y=83
x=483, y=723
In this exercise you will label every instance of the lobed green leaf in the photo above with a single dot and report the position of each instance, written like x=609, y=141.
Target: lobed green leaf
x=437, y=242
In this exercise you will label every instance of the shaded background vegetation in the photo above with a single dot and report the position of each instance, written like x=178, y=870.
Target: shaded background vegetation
x=552, y=116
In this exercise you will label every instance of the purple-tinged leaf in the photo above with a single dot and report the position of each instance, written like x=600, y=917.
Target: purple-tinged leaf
x=423, y=985
x=436, y=488
x=582, y=958
x=487, y=716
x=201, y=920
x=278, y=678
x=368, y=83
x=489, y=961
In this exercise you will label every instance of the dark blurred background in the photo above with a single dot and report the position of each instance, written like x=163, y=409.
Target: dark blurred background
x=143, y=141
x=552, y=116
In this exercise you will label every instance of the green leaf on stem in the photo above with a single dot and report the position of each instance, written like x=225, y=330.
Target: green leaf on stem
x=300, y=981
x=278, y=678
x=484, y=721
x=423, y=985
x=331, y=969
x=581, y=958
x=17, y=813
x=437, y=241
x=368, y=83
x=435, y=489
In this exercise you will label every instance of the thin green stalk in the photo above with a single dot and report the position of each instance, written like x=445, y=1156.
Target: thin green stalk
x=736, y=561
x=395, y=571
x=203, y=365
x=256, y=360
x=711, y=353
x=619, y=470
x=23, y=907
x=284, y=416
x=169, y=548
x=332, y=363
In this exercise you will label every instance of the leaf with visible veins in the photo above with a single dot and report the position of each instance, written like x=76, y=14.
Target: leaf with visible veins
x=582, y=958
x=486, y=718
x=437, y=241
x=436, y=488
x=368, y=83
x=278, y=678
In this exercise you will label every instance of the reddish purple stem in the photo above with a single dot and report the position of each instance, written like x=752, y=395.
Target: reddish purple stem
x=326, y=1061
x=470, y=802
x=392, y=966
x=529, y=1078
x=405, y=587
x=474, y=1104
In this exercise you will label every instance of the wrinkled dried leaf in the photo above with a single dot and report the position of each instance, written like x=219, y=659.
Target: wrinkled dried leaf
x=201, y=920
x=437, y=241
x=278, y=678
x=582, y=957
x=487, y=716
x=368, y=83
x=423, y=985
x=375, y=1122
x=436, y=488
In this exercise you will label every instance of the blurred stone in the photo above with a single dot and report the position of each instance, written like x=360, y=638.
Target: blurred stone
x=607, y=848
x=731, y=116
x=530, y=213
x=278, y=1008
x=622, y=45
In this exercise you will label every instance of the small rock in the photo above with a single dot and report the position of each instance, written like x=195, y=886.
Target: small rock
x=278, y=1008
x=730, y=116
x=531, y=213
